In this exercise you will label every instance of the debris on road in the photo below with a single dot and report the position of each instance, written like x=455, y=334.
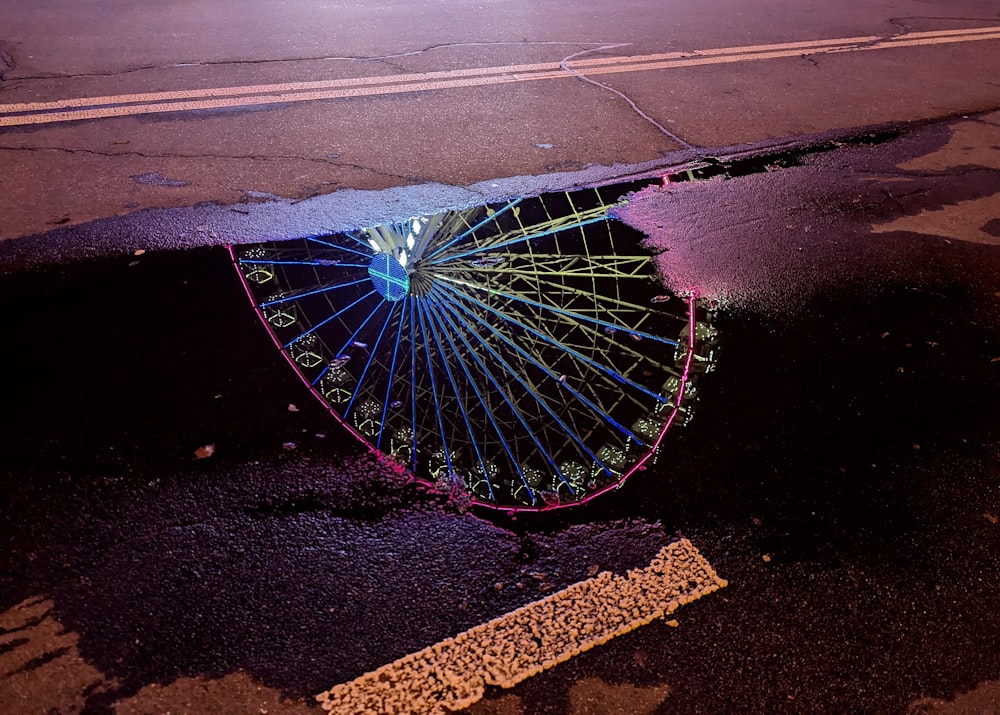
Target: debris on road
x=204, y=452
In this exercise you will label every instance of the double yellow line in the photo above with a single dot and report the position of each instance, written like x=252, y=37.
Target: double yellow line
x=68, y=110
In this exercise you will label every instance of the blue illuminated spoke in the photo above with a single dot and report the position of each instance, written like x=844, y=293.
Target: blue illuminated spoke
x=615, y=375
x=434, y=390
x=345, y=249
x=473, y=229
x=392, y=371
x=298, y=296
x=454, y=385
x=519, y=239
x=449, y=313
x=413, y=381
x=371, y=357
x=260, y=262
x=562, y=311
x=326, y=320
x=595, y=409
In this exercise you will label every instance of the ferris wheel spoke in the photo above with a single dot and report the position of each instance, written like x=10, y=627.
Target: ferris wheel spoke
x=392, y=369
x=351, y=340
x=265, y=262
x=315, y=291
x=371, y=356
x=430, y=371
x=507, y=399
x=519, y=239
x=341, y=247
x=596, y=410
x=465, y=416
x=326, y=320
x=554, y=309
x=614, y=374
x=453, y=315
x=472, y=229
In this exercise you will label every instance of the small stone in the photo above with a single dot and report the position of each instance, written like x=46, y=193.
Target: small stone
x=139, y=252
x=288, y=446
x=204, y=452
x=767, y=558
x=292, y=408
x=674, y=623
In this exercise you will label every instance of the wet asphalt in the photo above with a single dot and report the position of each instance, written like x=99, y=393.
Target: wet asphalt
x=841, y=473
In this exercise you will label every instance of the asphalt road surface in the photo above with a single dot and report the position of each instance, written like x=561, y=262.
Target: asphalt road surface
x=842, y=472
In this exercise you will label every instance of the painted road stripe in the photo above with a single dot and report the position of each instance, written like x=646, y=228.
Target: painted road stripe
x=75, y=109
x=454, y=673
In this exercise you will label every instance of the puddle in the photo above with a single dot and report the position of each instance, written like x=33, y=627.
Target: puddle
x=518, y=355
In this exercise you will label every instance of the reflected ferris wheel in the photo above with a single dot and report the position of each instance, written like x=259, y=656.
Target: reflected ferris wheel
x=518, y=355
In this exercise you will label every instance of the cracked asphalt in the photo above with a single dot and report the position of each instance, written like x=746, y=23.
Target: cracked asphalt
x=842, y=472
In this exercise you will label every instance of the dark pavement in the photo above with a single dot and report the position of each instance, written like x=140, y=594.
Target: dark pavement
x=841, y=472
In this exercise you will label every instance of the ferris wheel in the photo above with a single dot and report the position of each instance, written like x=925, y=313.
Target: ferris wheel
x=517, y=355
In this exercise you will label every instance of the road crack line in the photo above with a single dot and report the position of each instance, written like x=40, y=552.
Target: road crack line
x=315, y=58
x=564, y=64
x=238, y=157
x=6, y=64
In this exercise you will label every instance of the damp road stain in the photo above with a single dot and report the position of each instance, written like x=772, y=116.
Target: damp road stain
x=592, y=696
x=972, y=143
x=233, y=694
x=984, y=699
x=41, y=669
x=589, y=696
x=973, y=221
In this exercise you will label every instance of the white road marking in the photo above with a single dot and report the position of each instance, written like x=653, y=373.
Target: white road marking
x=453, y=674
x=75, y=109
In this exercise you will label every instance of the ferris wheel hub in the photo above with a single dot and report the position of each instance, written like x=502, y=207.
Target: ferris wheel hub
x=389, y=277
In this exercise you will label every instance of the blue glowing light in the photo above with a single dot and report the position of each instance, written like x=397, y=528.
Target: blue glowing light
x=389, y=277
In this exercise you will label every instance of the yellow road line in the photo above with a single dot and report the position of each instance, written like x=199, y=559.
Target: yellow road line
x=75, y=109
x=454, y=673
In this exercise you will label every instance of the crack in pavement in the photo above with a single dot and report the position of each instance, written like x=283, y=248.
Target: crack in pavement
x=935, y=17
x=245, y=157
x=316, y=58
x=564, y=65
x=6, y=64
